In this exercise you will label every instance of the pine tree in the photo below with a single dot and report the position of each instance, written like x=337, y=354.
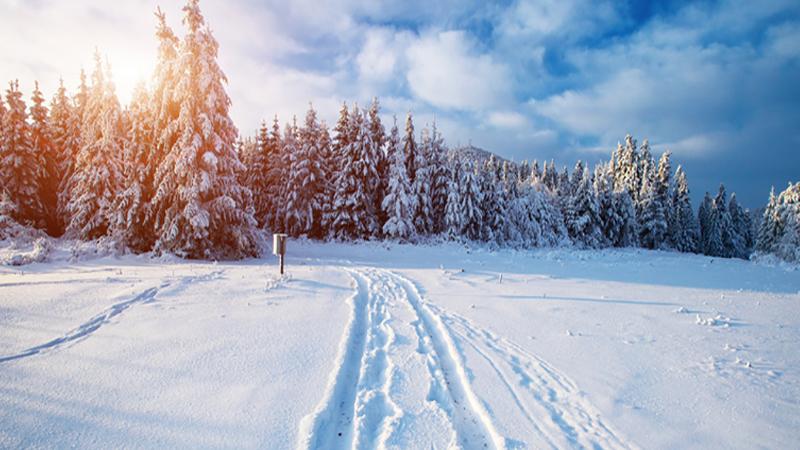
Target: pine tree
x=21, y=168
x=768, y=230
x=663, y=187
x=130, y=209
x=650, y=212
x=378, y=139
x=603, y=185
x=201, y=208
x=410, y=149
x=788, y=243
x=64, y=124
x=354, y=217
x=453, y=215
x=439, y=181
x=740, y=229
x=304, y=206
x=97, y=176
x=722, y=217
x=423, y=217
x=398, y=204
x=471, y=201
x=514, y=205
x=582, y=216
x=683, y=229
x=256, y=175
x=494, y=205
x=707, y=229
x=44, y=150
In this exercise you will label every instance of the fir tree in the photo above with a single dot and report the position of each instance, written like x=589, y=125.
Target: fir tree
x=663, y=186
x=650, y=213
x=453, y=214
x=64, y=124
x=354, y=217
x=582, y=216
x=304, y=185
x=439, y=180
x=42, y=146
x=201, y=208
x=410, y=149
x=97, y=176
x=21, y=168
x=768, y=231
x=398, y=204
x=471, y=201
x=423, y=217
x=378, y=139
x=683, y=229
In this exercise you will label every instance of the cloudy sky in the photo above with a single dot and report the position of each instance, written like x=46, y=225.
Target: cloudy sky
x=716, y=82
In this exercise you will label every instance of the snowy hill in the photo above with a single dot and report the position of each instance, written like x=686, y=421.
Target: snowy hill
x=398, y=346
x=479, y=155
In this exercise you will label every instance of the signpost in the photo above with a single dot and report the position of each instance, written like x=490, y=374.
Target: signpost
x=279, y=247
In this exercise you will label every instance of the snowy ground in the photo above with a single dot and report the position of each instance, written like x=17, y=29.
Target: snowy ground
x=364, y=346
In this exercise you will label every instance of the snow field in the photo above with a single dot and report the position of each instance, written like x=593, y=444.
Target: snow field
x=395, y=346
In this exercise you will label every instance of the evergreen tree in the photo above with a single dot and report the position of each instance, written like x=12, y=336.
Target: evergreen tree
x=42, y=146
x=130, y=210
x=64, y=124
x=354, y=217
x=494, y=205
x=768, y=230
x=788, y=243
x=378, y=139
x=582, y=216
x=21, y=167
x=410, y=149
x=683, y=229
x=663, y=186
x=256, y=174
x=650, y=214
x=453, y=214
x=740, y=229
x=201, y=208
x=423, y=218
x=398, y=204
x=97, y=176
x=439, y=181
x=304, y=185
x=722, y=217
x=471, y=201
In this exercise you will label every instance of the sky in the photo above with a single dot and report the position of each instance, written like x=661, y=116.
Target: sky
x=715, y=82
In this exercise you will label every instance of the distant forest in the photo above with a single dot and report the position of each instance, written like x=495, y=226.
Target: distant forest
x=169, y=173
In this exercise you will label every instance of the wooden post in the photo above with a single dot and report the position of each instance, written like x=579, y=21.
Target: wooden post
x=279, y=247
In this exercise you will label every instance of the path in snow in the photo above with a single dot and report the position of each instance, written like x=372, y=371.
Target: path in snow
x=88, y=327
x=401, y=382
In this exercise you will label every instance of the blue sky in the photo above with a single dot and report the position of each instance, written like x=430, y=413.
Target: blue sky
x=716, y=82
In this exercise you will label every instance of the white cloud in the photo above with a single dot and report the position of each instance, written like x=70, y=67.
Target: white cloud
x=508, y=119
x=446, y=72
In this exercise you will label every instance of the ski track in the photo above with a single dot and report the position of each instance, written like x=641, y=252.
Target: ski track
x=559, y=414
x=86, y=329
x=362, y=407
x=396, y=340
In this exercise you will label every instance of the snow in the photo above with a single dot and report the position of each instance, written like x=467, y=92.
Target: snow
x=400, y=346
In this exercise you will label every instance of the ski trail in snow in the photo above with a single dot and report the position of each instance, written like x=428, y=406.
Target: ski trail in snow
x=90, y=326
x=557, y=411
x=398, y=382
x=331, y=425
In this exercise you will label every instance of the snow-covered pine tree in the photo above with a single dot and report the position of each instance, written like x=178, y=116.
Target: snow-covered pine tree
x=516, y=215
x=327, y=186
x=575, y=178
x=546, y=227
x=535, y=173
x=21, y=167
x=354, y=216
x=683, y=229
x=494, y=204
x=453, y=215
x=704, y=221
x=202, y=210
x=378, y=139
x=471, y=200
x=42, y=146
x=582, y=216
x=423, y=217
x=440, y=179
x=650, y=212
x=788, y=244
x=663, y=188
x=64, y=124
x=603, y=185
x=275, y=177
x=97, y=176
x=129, y=214
x=740, y=229
x=722, y=217
x=768, y=230
x=410, y=149
x=398, y=203
x=256, y=174
x=304, y=185
x=290, y=146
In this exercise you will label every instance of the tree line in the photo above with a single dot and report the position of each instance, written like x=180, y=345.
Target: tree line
x=168, y=173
